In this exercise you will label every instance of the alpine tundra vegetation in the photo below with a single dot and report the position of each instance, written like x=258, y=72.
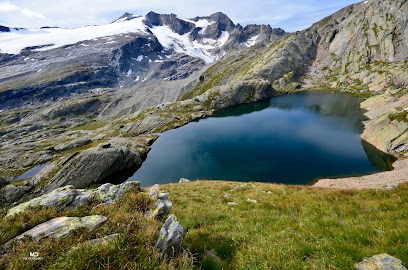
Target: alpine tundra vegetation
x=81, y=108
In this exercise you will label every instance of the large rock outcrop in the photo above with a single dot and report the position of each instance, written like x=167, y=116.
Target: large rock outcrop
x=95, y=166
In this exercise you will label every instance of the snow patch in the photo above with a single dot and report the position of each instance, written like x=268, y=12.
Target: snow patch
x=16, y=40
x=139, y=58
x=183, y=44
x=252, y=41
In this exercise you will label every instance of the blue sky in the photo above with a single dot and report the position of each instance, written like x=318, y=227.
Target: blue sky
x=291, y=15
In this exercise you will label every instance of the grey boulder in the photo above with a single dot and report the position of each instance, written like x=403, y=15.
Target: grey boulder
x=380, y=262
x=170, y=237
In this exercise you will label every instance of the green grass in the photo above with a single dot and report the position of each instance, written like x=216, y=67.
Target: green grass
x=290, y=227
x=400, y=117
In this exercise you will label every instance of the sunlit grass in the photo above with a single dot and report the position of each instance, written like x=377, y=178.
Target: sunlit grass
x=290, y=227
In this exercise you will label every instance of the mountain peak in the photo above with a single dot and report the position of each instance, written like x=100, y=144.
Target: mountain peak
x=126, y=17
x=177, y=25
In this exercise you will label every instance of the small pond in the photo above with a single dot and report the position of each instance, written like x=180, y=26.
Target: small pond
x=291, y=139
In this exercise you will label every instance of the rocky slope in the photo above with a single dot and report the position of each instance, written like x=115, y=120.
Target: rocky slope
x=53, y=80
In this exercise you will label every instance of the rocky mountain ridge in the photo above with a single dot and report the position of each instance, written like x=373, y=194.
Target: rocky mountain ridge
x=49, y=63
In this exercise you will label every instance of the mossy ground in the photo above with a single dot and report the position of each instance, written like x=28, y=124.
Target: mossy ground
x=290, y=227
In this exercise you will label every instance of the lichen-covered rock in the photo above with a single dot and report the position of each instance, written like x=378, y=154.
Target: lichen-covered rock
x=61, y=226
x=68, y=196
x=380, y=262
x=94, y=165
x=170, y=237
x=163, y=205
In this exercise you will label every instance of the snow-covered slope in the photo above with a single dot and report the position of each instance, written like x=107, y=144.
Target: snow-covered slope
x=202, y=37
x=14, y=41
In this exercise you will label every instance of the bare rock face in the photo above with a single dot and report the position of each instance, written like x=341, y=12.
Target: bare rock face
x=170, y=237
x=74, y=144
x=3, y=182
x=380, y=262
x=12, y=193
x=94, y=166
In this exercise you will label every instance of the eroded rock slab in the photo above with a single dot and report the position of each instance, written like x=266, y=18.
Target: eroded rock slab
x=71, y=197
x=61, y=226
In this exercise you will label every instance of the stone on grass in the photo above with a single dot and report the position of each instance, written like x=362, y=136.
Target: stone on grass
x=170, y=237
x=252, y=200
x=162, y=206
x=380, y=262
x=61, y=226
x=103, y=240
x=184, y=180
x=232, y=203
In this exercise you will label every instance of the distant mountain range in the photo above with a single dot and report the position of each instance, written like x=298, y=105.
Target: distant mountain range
x=131, y=51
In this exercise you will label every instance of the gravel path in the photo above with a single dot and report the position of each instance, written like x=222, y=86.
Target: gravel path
x=382, y=180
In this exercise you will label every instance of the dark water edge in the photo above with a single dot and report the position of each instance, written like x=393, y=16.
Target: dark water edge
x=291, y=139
x=378, y=158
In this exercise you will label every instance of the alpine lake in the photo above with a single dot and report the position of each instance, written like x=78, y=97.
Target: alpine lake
x=291, y=139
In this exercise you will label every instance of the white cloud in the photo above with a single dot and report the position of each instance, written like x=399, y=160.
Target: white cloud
x=12, y=15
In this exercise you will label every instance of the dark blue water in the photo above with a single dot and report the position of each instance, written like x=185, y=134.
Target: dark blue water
x=32, y=172
x=292, y=139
